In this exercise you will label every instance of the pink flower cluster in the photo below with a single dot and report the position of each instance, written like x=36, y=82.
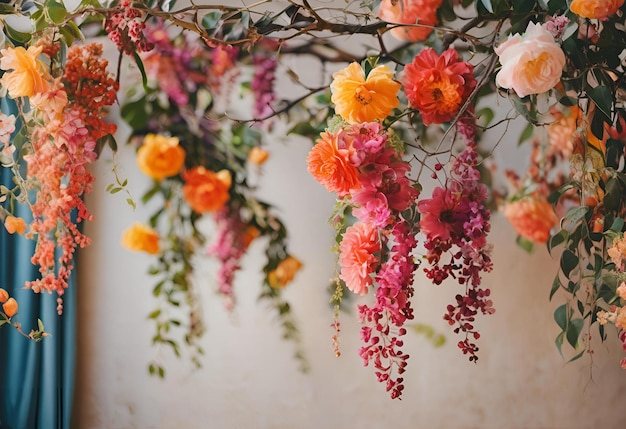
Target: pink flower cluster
x=383, y=322
x=228, y=248
x=179, y=65
x=359, y=163
x=125, y=27
x=263, y=85
x=455, y=222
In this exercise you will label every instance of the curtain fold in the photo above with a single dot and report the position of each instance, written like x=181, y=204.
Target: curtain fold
x=36, y=379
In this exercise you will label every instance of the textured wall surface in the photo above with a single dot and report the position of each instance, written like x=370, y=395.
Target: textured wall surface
x=250, y=380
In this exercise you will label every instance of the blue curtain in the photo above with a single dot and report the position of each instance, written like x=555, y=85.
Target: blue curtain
x=36, y=379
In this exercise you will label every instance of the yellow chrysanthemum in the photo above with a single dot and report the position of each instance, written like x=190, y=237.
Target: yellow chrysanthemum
x=359, y=99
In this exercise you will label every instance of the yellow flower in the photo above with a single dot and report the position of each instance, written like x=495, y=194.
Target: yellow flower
x=160, y=157
x=141, y=238
x=26, y=74
x=15, y=224
x=257, y=155
x=284, y=272
x=10, y=307
x=358, y=99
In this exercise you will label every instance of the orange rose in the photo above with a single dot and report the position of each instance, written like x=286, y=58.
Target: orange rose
x=205, y=190
x=532, y=218
x=284, y=272
x=141, y=238
x=160, y=157
x=26, y=75
x=4, y=295
x=15, y=224
x=10, y=307
x=423, y=12
x=257, y=155
x=595, y=9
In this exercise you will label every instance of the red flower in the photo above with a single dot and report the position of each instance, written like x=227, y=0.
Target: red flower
x=438, y=86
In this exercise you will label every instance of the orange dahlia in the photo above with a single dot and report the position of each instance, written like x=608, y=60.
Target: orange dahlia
x=532, y=217
x=595, y=9
x=437, y=86
x=364, y=99
x=330, y=165
x=423, y=12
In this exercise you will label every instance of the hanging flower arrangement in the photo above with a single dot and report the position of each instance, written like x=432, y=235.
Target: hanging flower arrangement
x=412, y=109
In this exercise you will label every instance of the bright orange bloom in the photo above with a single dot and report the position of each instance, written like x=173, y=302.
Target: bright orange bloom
x=532, y=218
x=284, y=272
x=330, y=165
x=205, y=190
x=257, y=155
x=423, y=12
x=26, y=74
x=249, y=235
x=4, y=295
x=359, y=99
x=437, y=86
x=141, y=238
x=561, y=132
x=10, y=307
x=595, y=9
x=160, y=157
x=15, y=224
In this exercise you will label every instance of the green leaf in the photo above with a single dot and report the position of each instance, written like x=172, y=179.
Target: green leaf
x=556, y=285
x=487, y=5
x=15, y=35
x=211, y=19
x=617, y=225
x=569, y=261
x=55, y=11
x=603, y=99
x=144, y=76
x=7, y=9
x=573, y=332
x=156, y=313
x=557, y=239
x=558, y=341
x=527, y=133
x=525, y=244
x=523, y=6
x=561, y=316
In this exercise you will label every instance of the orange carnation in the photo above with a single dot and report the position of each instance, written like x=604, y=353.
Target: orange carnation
x=438, y=85
x=141, y=238
x=15, y=224
x=423, y=12
x=359, y=99
x=330, y=165
x=532, y=218
x=26, y=75
x=160, y=157
x=284, y=272
x=10, y=307
x=205, y=190
x=357, y=256
x=595, y=9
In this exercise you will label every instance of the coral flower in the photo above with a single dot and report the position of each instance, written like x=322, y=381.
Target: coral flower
x=206, y=191
x=160, y=157
x=141, y=238
x=561, y=132
x=26, y=75
x=10, y=307
x=15, y=224
x=360, y=99
x=438, y=86
x=357, y=257
x=595, y=9
x=532, y=218
x=423, y=12
x=330, y=165
x=284, y=272
x=4, y=295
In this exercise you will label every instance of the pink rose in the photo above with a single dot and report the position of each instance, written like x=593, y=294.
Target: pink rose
x=532, y=63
